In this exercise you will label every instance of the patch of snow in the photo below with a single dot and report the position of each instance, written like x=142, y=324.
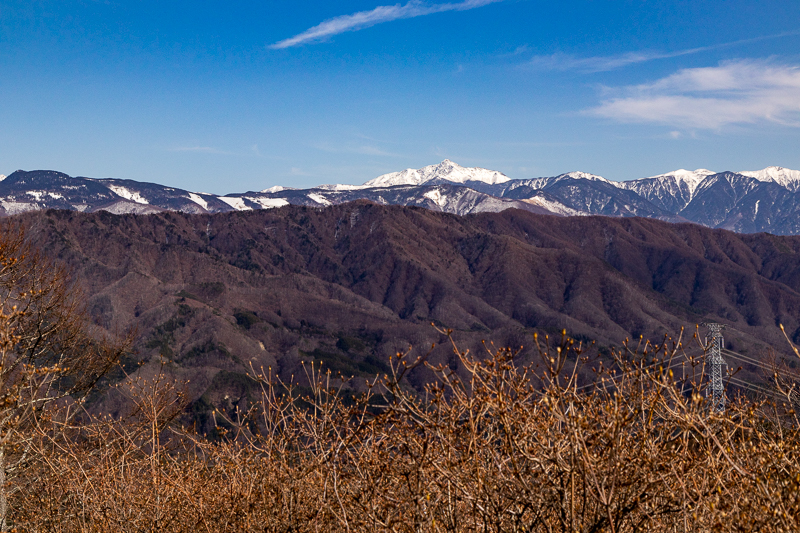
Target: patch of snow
x=782, y=176
x=235, y=202
x=436, y=197
x=2, y=177
x=756, y=210
x=446, y=170
x=319, y=199
x=341, y=187
x=13, y=208
x=277, y=188
x=196, y=198
x=554, y=207
x=128, y=194
x=38, y=195
x=268, y=203
x=122, y=208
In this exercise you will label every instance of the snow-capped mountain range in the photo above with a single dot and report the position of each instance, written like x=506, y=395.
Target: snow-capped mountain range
x=782, y=176
x=444, y=171
x=745, y=201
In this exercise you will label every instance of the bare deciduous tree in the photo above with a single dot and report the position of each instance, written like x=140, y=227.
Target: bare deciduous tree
x=48, y=350
x=507, y=449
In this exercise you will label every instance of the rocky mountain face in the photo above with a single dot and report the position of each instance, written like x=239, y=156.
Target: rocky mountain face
x=592, y=197
x=671, y=192
x=350, y=285
x=749, y=201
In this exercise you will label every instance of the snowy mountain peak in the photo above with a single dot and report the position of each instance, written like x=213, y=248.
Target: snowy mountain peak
x=276, y=188
x=687, y=175
x=782, y=176
x=446, y=171
x=2, y=177
x=692, y=178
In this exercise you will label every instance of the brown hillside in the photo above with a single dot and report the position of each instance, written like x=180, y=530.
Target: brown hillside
x=352, y=284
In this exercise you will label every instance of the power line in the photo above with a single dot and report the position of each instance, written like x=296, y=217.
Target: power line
x=743, y=357
x=755, y=388
x=717, y=378
x=748, y=360
x=615, y=377
x=749, y=385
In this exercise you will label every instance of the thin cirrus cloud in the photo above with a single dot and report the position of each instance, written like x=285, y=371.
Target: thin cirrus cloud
x=734, y=92
x=365, y=19
x=355, y=149
x=200, y=150
x=560, y=61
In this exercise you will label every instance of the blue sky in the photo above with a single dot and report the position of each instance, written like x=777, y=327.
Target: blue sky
x=234, y=96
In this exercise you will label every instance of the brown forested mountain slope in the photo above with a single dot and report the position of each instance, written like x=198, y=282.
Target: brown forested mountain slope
x=351, y=284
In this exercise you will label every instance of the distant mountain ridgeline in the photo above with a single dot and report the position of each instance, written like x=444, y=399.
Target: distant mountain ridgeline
x=746, y=202
x=351, y=285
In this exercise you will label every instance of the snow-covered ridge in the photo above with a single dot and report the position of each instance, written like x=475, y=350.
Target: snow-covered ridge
x=340, y=187
x=578, y=175
x=446, y=171
x=449, y=171
x=782, y=176
x=446, y=186
x=277, y=188
x=541, y=183
x=691, y=179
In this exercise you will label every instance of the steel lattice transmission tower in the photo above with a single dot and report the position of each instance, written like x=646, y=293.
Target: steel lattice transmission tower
x=717, y=362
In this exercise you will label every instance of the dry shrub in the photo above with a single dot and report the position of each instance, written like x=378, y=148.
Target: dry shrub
x=49, y=355
x=511, y=448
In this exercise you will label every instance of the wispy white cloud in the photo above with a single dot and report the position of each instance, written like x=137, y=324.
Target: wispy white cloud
x=295, y=171
x=200, y=149
x=365, y=19
x=560, y=61
x=354, y=148
x=735, y=92
x=373, y=150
